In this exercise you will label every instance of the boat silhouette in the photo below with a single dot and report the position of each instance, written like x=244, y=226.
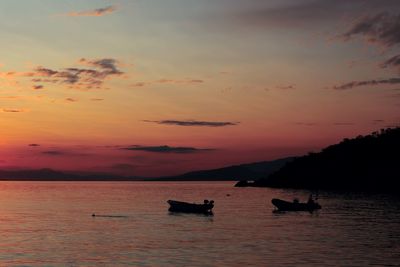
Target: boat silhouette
x=180, y=206
x=283, y=205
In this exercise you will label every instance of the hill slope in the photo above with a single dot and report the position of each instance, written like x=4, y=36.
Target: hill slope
x=369, y=162
x=251, y=171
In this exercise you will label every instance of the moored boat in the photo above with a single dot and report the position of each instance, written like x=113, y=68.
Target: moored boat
x=283, y=205
x=179, y=206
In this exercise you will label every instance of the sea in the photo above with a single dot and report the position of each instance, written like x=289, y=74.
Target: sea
x=51, y=224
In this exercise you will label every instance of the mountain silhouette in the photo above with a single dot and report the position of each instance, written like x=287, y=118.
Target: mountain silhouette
x=368, y=163
x=53, y=175
x=231, y=173
x=250, y=171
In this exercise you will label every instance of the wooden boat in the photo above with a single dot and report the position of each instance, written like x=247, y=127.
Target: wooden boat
x=179, y=206
x=283, y=205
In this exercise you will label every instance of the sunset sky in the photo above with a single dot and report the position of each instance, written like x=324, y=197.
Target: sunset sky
x=161, y=87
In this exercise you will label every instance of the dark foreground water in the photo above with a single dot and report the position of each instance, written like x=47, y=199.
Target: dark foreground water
x=50, y=224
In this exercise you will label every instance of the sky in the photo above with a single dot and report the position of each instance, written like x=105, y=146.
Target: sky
x=162, y=87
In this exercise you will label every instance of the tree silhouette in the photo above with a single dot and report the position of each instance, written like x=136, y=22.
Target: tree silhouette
x=370, y=162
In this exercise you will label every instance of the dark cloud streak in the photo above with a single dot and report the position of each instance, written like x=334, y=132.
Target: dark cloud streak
x=195, y=123
x=351, y=85
x=78, y=78
x=382, y=28
x=393, y=62
x=94, y=13
x=34, y=145
x=166, y=149
x=53, y=153
x=10, y=110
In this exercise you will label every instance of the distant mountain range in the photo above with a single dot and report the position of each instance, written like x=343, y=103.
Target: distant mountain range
x=367, y=163
x=251, y=171
x=52, y=175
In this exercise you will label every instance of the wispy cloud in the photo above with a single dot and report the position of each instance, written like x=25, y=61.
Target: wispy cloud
x=169, y=81
x=38, y=87
x=286, y=87
x=61, y=152
x=92, y=76
x=393, y=62
x=13, y=110
x=304, y=13
x=10, y=97
x=187, y=81
x=195, y=123
x=306, y=123
x=166, y=149
x=53, y=153
x=343, y=123
x=140, y=84
x=34, y=145
x=107, y=65
x=98, y=12
x=353, y=84
x=382, y=29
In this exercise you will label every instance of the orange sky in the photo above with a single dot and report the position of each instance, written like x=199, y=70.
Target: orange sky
x=156, y=88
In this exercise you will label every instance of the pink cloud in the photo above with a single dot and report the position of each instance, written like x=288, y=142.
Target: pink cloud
x=98, y=12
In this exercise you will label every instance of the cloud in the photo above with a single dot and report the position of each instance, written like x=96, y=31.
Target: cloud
x=169, y=81
x=58, y=152
x=38, y=87
x=195, y=81
x=306, y=123
x=187, y=81
x=12, y=110
x=54, y=153
x=38, y=80
x=393, y=62
x=140, y=84
x=382, y=29
x=10, y=97
x=353, y=84
x=195, y=123
x=74, y=77
x=108, y=65
x=303, y=13
x=344, y=123
x=287, y=87
x=93, y=13
x=166, y=149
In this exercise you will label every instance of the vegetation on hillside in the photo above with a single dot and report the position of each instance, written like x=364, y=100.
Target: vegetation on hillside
x=369, y=162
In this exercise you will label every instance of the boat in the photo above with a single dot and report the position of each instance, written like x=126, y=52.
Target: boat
x=283, y=205
x=179, y=206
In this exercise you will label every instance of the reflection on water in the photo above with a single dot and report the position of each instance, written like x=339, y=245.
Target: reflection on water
x=45, y=223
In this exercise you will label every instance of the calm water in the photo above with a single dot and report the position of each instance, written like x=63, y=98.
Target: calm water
x=50, y=224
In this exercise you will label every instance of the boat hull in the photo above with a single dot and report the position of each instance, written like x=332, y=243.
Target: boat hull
x=283, y=205
x=179, y=206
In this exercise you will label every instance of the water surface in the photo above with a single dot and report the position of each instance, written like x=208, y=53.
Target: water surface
x=50, y=224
